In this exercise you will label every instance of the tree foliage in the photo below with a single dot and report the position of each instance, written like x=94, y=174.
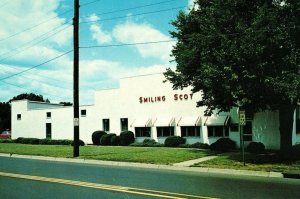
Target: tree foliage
x=240, y=53
x=30, y=96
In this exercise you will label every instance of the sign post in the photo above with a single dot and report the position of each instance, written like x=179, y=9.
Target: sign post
x=242, y=116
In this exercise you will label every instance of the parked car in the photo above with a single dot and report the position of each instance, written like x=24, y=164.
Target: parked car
x=5, y=134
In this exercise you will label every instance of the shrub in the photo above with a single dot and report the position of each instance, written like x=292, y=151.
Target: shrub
x=149, y=141
x=19, y=140
x=96, y=136
x=137, y=144
x=34, y=141
x=223, y=144
x=6, y=141
x=174, y=141
x=200, y=145
x=106, y=139
x=184, y=146
x=126, y=138
x=44, y=141
x=115, y=140
x=256, y=147
x=81, y=143
x=26, y=140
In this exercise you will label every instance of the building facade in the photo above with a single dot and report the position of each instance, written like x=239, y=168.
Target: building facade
x=148, y=107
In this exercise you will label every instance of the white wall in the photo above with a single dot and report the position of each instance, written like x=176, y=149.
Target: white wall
x=128, y=102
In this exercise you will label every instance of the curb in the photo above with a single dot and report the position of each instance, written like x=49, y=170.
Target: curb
x=152, y=166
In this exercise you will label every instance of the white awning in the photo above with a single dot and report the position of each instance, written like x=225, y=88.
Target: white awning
x=216, y=120
x=142, y=122
x=164, y=121
x=189, y=121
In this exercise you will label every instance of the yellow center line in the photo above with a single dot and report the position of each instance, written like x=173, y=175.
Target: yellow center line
x=145, y=192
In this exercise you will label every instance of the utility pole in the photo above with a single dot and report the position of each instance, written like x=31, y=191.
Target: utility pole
x=76, y=78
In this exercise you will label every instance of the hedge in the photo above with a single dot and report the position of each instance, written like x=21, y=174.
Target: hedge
x=126, y=138
x=96, y=136
x=223, y=145
x=106, y=139
x=256, y=147
x=174, y=141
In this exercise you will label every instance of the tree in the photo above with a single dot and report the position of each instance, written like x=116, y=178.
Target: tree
x=30, y=96
x=241, y=53
x=66, y=103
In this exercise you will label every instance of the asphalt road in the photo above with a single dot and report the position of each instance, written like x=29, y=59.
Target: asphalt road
x=26, y=178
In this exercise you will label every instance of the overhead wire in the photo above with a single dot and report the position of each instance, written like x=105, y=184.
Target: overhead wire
x=133, y=15
x=34, y=91
x=128, y=44
x=38, y=65
x=40, y=41
x=137, y=7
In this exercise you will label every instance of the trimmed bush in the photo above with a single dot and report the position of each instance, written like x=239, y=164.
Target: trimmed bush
x=81, y=143
x=126, y=138
x=106, y=139
x=223, y=145
x=44, y=141
x=96, y=136
x=256, y=147
x=115, y=140
x=200, y=145
x=174, y=141
x=19, y=140
x=34, y=141
x=148, y=141
x=6, y=141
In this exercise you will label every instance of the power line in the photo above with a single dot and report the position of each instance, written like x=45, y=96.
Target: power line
x=144, y=13
x=34, y=26
x=23, y=71
x=53, y=34
x=85, y=4
x=137, y=7
x=33, y=91
x=128, y=44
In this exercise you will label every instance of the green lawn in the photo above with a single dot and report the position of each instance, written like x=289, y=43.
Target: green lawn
x=160, y=155
x=262, y=162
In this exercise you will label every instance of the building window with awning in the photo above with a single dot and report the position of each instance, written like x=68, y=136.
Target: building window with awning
x=165, y=131
x=142, y=131
x=218, y=131
x=190, y=131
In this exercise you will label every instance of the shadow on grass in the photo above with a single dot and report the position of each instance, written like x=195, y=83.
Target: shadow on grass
x=268, y=157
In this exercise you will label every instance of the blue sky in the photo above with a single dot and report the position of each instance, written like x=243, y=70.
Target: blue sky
x=34, y=32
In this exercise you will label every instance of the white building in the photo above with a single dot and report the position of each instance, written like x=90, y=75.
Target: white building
x=149, y=108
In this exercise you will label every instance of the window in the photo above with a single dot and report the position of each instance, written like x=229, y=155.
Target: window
x=83, y=113
x=218, y=131
x=48, y=130
x=165, y=131
x=19, y=116
x=190, y=131
x=143, y=131
x=124, y=124
x=105, y=124
x=247, y=131
x=48, y=114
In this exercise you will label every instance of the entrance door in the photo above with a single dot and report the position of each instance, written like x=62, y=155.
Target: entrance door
x=48, y=130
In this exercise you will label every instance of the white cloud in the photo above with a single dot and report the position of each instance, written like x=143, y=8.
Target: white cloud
x=191, y=4
x=98, y=34
x=19, y=15
x=131, y=32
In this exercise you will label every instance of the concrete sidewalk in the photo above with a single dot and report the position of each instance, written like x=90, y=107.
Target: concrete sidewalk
x=184, y=166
